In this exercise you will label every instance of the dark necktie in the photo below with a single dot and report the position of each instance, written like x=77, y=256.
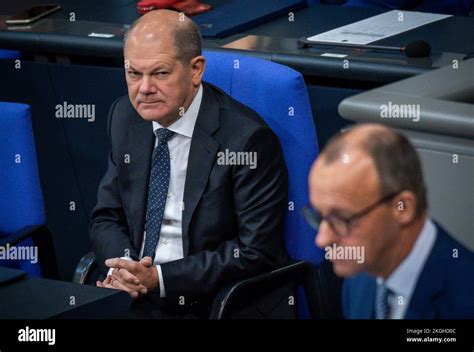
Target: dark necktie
x=381, y=302
x=157, y=191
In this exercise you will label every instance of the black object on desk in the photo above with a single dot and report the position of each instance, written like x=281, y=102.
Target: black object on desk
x=23, y=297
x=416, y=49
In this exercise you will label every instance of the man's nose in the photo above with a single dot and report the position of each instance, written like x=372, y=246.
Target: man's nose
x=146, y=85
x=325, y=236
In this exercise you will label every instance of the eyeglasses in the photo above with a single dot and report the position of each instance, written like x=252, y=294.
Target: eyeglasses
x=341, y=226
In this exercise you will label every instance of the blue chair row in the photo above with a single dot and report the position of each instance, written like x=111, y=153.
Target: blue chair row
x=26, y=242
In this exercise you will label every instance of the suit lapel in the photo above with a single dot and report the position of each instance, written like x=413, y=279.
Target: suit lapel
x=201, y=159
x=140, y=144
x=423, y=302
x=359, y=297
x=366, y=309
x=430, y=284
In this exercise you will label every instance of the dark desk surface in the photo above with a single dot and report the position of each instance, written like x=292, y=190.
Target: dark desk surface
x=36, y=298
x=450, y=39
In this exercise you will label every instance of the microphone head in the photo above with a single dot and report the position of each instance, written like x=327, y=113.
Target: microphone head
x=418, y=48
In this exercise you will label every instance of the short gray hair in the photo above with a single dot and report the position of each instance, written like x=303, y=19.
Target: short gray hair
x=187, y=40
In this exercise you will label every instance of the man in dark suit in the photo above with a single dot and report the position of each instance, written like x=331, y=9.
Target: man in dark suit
x=369, y=206
x=195, y=193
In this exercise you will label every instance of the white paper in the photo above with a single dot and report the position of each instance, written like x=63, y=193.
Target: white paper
x=378, y=27
x=340, y=56
x=100, y=35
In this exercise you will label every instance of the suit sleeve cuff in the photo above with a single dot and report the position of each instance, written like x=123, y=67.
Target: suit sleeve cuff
x=160, y=279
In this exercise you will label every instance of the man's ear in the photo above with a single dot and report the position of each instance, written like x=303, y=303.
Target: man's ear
x=198, y=65
x=405, y=207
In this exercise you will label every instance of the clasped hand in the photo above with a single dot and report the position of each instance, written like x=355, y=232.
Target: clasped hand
x=135, y=278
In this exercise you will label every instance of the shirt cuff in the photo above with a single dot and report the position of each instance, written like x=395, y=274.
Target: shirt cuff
x=160, y=279
x=110, y=270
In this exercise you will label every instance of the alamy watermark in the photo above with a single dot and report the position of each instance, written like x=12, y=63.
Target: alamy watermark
x=75, y=111
x=400, y=111
x=37, y=335
x=30, y=253
x=228, y=157
x=335, y=252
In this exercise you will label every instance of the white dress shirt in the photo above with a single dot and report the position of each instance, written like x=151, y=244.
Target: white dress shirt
x=170, y=244
x=403, y=280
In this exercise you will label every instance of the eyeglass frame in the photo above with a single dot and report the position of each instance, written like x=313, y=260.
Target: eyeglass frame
x=309, y=214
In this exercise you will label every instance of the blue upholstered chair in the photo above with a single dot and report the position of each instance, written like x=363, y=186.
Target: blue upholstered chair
x=22, y=215
x=278, y=93
x=9, y=54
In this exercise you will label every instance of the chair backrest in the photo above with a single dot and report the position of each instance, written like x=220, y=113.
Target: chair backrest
x=21, y=199
x=9, y=54
x=278, y=93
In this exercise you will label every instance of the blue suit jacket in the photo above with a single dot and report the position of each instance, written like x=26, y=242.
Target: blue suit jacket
x=445, y=288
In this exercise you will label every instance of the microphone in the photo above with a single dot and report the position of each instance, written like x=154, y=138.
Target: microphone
x=418, y=48
x=415, y=49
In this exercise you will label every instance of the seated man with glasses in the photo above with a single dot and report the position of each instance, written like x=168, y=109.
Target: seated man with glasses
x=367, y=194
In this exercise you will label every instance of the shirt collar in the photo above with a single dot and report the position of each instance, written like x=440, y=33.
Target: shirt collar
x=185, y=125
x=404, y=278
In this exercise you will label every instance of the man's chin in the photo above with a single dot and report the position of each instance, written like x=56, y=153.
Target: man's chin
x=152, y=115
x=346, y=268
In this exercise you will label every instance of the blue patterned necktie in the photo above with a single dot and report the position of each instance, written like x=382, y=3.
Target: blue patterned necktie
x=381, y=302
x=157, y=191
